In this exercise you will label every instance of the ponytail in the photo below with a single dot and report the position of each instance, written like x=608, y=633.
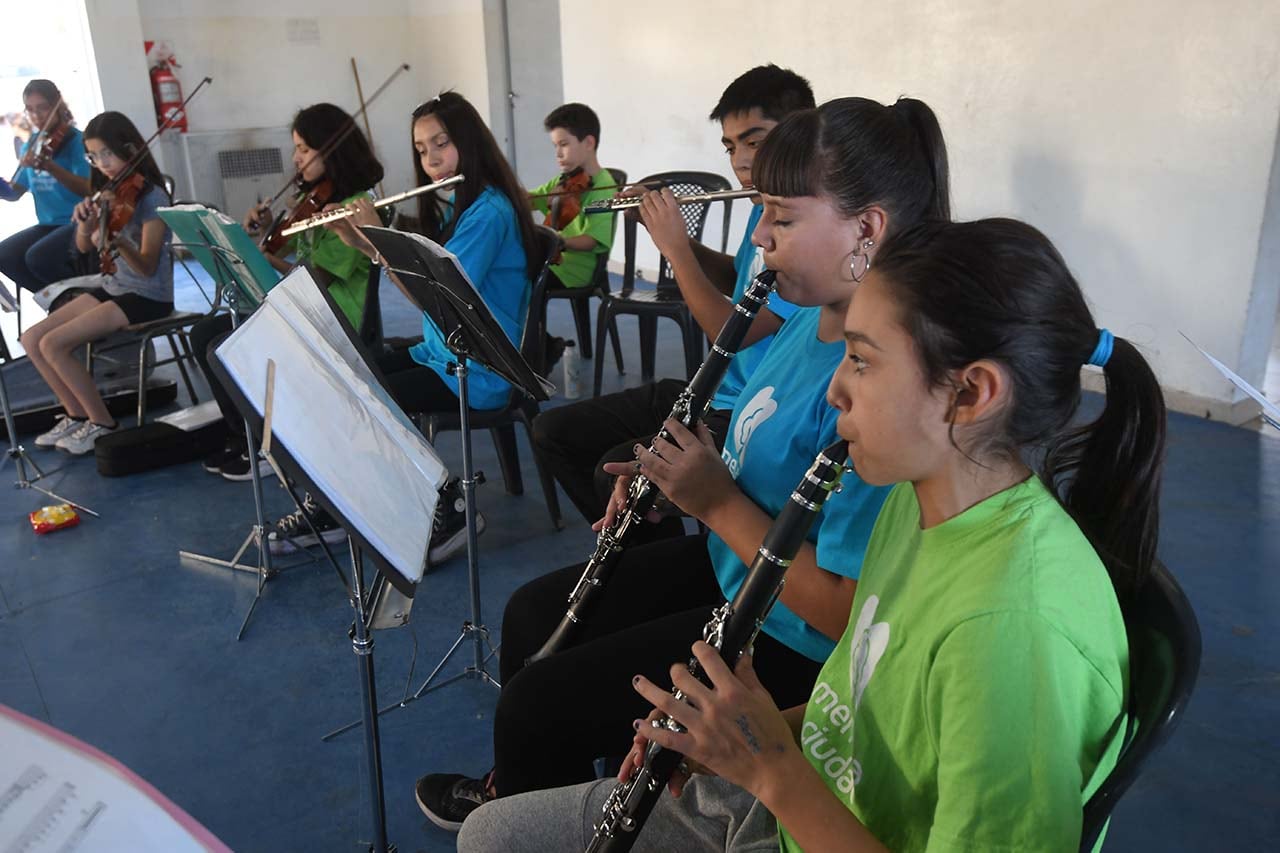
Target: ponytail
x=924, y=125
x=1107, y=473
x=861, y=153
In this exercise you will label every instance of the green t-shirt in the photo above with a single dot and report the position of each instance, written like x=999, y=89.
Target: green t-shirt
x=349, y=267
x=576, y=268
x=977, y=697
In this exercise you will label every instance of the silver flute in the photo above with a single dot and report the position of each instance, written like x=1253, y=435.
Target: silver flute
x=610, y=205
x=344, y=212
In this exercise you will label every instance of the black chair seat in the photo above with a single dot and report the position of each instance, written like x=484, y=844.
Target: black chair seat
x=650, y=297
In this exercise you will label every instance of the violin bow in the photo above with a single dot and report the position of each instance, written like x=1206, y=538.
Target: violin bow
x=132, y=162
x=368, y=130
x=343, y=133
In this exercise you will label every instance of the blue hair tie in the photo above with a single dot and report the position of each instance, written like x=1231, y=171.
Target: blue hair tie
x=1102, y=352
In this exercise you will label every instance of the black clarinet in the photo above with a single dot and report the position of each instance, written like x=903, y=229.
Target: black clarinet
x=732, y=630
x=689, y=408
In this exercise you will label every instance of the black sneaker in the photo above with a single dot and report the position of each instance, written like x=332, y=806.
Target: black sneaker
x=228, y=455
x=449, y=528
x=213, y=464
x=292, y=532
x=235, y=467
x=447, y=798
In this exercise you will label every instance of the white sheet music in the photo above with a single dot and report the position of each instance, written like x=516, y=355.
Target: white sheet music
x=1270, y=412
x=59, y=796
x=338, y=422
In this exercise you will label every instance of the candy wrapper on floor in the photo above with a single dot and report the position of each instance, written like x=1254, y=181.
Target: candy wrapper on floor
x=50, y=518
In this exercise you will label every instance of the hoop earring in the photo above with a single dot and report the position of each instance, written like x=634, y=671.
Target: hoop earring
x=860, y=263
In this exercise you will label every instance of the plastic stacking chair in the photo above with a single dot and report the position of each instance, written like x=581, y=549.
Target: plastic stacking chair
x=370, y=331
x=664, y=299
x=519, y=408
x=1164, y=660
x=580, y=297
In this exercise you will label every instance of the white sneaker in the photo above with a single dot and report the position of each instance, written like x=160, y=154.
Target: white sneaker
x=81, y=440
x=63, y=427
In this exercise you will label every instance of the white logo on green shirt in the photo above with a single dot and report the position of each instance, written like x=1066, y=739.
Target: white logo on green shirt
x=869, y=643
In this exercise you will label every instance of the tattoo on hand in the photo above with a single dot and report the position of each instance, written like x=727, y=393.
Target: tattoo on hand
x=746, y=733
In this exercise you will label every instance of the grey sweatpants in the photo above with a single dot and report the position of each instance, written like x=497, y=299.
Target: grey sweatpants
x=711, y=815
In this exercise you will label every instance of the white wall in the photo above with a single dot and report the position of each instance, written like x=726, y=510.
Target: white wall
x=1138, y=135
x=449, y=43
x=268, y=60
x=115, y=37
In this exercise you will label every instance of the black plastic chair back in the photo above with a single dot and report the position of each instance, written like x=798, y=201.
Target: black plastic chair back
x=532, y=342
x=1164, y=660
x=370, y=331
x=695, y=220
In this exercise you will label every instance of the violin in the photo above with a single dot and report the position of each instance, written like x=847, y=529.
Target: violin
x=48, y=143
x=113, y=215
x=567, y=203
x=311, y=203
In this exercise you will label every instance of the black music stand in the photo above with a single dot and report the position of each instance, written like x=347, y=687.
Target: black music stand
x=438, y=285
x=236, y=363
x=238, y=284
x=16, y=451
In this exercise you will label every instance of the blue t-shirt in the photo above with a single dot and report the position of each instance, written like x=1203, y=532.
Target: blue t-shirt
x=748, y=263
x=158, y=285
x=487, y=243
x=54, y=202
x=782, y=417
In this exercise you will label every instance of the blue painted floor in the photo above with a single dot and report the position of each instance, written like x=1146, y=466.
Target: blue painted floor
x=107, y=636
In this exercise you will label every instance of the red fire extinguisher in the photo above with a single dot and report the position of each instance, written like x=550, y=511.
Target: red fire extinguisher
x=166, y=91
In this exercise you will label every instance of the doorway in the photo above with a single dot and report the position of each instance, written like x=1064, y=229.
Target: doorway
x=61, y=54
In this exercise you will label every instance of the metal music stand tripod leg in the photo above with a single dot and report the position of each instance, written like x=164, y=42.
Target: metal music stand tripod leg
x=19, y=455
x=362, y=645
x=257, y=535
x=473, y=629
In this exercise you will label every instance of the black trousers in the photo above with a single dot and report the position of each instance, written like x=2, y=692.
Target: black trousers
x=556, y=716
x=205, y=337
x=415, y=388
x=39, y=255
x=574, y=441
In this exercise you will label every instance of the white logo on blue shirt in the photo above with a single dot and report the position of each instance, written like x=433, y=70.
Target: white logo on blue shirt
x=757, y=410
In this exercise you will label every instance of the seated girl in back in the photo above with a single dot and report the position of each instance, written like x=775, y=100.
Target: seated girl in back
x=134, y=286
x=333, y=161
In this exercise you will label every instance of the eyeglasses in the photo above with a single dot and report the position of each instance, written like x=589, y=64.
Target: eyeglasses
x=103, y=156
